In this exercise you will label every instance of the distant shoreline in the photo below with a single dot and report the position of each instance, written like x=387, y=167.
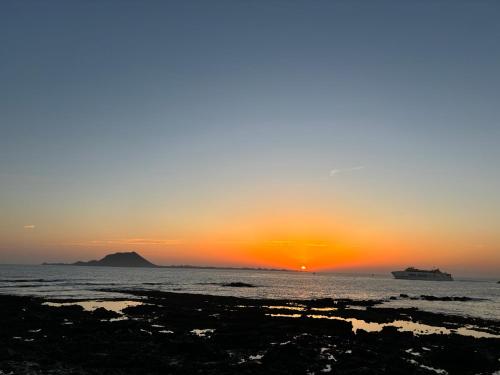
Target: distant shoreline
x=133, y=259
x=182, y=266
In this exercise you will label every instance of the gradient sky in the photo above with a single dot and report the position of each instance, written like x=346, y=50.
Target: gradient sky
x=344, y=135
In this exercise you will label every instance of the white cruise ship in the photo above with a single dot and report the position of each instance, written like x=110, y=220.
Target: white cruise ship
x=416, y=274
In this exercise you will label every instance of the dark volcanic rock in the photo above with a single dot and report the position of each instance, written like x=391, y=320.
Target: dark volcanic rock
x=124, y=259
x=130, y=259
x=175, y=333
x=434, y=298
x=239, y=285
x=102, y=313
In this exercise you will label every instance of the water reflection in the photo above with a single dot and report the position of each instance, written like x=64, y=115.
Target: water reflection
x=116, y=306
x=401, y=325
x=324, y=308
x=285, y=315
x=88, y=283
x=286, y=307
x=298, y=308
x=202, y=332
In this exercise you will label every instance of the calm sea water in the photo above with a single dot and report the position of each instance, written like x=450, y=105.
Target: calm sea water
x=85, y=282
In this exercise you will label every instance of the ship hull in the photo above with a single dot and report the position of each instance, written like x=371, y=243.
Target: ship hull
x=428, y=276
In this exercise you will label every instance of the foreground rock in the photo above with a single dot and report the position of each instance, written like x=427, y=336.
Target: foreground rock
x=197, y=334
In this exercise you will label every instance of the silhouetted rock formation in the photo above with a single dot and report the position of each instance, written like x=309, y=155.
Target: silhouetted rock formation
x=133, y=259
x=130, y=259
x=434, y=298
x=239, y=284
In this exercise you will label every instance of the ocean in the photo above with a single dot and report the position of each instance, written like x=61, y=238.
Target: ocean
x=68, y=282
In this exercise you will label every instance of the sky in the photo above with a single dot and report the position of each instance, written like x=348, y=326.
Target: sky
x=338, y=135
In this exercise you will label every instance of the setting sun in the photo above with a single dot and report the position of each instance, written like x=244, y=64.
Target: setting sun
x=240, y=186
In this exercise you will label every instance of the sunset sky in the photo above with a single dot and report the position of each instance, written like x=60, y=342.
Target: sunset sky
x=339, y=135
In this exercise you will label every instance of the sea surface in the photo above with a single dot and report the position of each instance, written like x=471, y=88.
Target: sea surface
x=70, y=282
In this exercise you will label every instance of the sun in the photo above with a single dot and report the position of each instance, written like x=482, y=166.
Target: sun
x=303, y=268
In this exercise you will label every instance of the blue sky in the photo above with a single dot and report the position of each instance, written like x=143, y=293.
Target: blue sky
x=171, y=111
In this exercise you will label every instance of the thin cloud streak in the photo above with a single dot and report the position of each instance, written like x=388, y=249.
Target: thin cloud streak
x=337, y=171
x=29, y=226
x=129, y=241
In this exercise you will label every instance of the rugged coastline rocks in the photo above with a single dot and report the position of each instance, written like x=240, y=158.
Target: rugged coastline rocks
x=238, y=284
x=424, y=297
x=187, y=334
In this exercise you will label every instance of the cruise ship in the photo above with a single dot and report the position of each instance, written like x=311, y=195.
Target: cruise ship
x=416, y=274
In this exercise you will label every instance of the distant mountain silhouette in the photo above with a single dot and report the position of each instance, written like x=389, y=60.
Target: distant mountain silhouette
x=133, y=259
x=129, y=259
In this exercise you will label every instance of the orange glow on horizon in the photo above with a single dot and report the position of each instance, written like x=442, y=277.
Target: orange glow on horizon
x=318, y=239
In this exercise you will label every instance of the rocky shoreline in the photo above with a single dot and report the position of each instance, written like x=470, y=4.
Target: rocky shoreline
x=174, y=333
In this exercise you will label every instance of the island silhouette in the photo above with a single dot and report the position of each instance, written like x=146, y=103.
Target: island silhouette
x=134, y=259
x=123, y=259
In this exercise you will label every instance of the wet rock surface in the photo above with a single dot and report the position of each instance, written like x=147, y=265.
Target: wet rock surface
x=424, y=297
x=173, y=333
x=238, y=284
